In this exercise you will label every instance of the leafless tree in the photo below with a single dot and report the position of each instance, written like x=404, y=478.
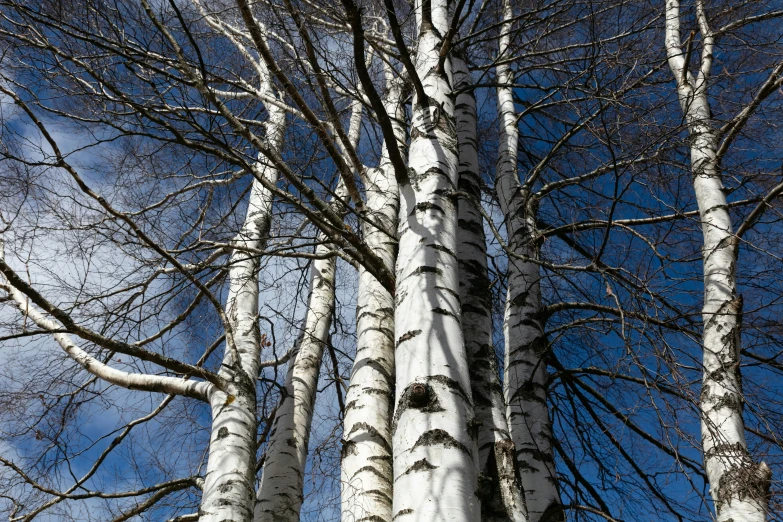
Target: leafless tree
x=379, y=261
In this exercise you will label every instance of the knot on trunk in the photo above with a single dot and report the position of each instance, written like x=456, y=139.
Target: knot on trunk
x=419, y=394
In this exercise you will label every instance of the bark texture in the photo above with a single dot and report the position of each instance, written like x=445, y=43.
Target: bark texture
x=366, y=467
x=501, y=494
x=434, y=451
x=229, y=484
x=739, y=485
x=280, y=494
x=525, y=372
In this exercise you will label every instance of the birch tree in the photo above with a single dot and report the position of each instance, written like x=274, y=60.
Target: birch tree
x=187, y=213
x=366, y=467
x=434, y=451
x=496, y=450
x=280, y=493
x=228, y=485
x=739, y=484
x=525, y=370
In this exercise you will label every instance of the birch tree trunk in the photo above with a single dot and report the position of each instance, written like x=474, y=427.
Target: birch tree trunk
x=366, y=466
x=497, y=471
x=525, y=372
x=434, y=450
x=280, y=494
x=229, y=485
x=738, y=485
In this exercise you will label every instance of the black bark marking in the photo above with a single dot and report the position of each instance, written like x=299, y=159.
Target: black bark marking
x=373, y=518
x=443, y=311
x=426, y=205
x=385, y=496
x=373, y=434
x=749, y=481
x=377, y=365
x=728, y=308
x=353, y=405
x=437, y=171
x=374, y=471
x=385, y=458
x=420, y=465
x=386, y=332
x=553, y=513
x=451, y=384
x=440, y=437
x=449, y=291
x=227, y=486
x=407, y=336
x=472, y=309
x=441, y=248
x=729, y=450
x=534, y=454
x=731, y=401
x=716, y=207
x=426, y=270
x=470, y=226
x=530, y=391
x=368, y=313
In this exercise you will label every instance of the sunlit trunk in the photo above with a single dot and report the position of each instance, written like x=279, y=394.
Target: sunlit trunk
x=738, y=485
x=435, y=454
x=366, y=466
x=229, y=484
x=281, y=490
x=501, y=494
x=280, y=494
x=525, y=369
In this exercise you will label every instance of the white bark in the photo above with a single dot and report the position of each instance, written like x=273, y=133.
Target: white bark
x=131, y=381
x=434, y=452
x=366, y=467
x=229, y=485
x=280, y=494
x=497, y=479
x=738, y=485
x=230, y=477
x=525, y=370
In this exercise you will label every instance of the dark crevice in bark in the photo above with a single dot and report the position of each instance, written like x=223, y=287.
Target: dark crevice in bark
x=420, y=465
x=440, y=437
x=372, y=433
x=408, y=336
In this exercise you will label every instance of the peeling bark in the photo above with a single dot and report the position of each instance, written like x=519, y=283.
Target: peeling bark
x=738, y=485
